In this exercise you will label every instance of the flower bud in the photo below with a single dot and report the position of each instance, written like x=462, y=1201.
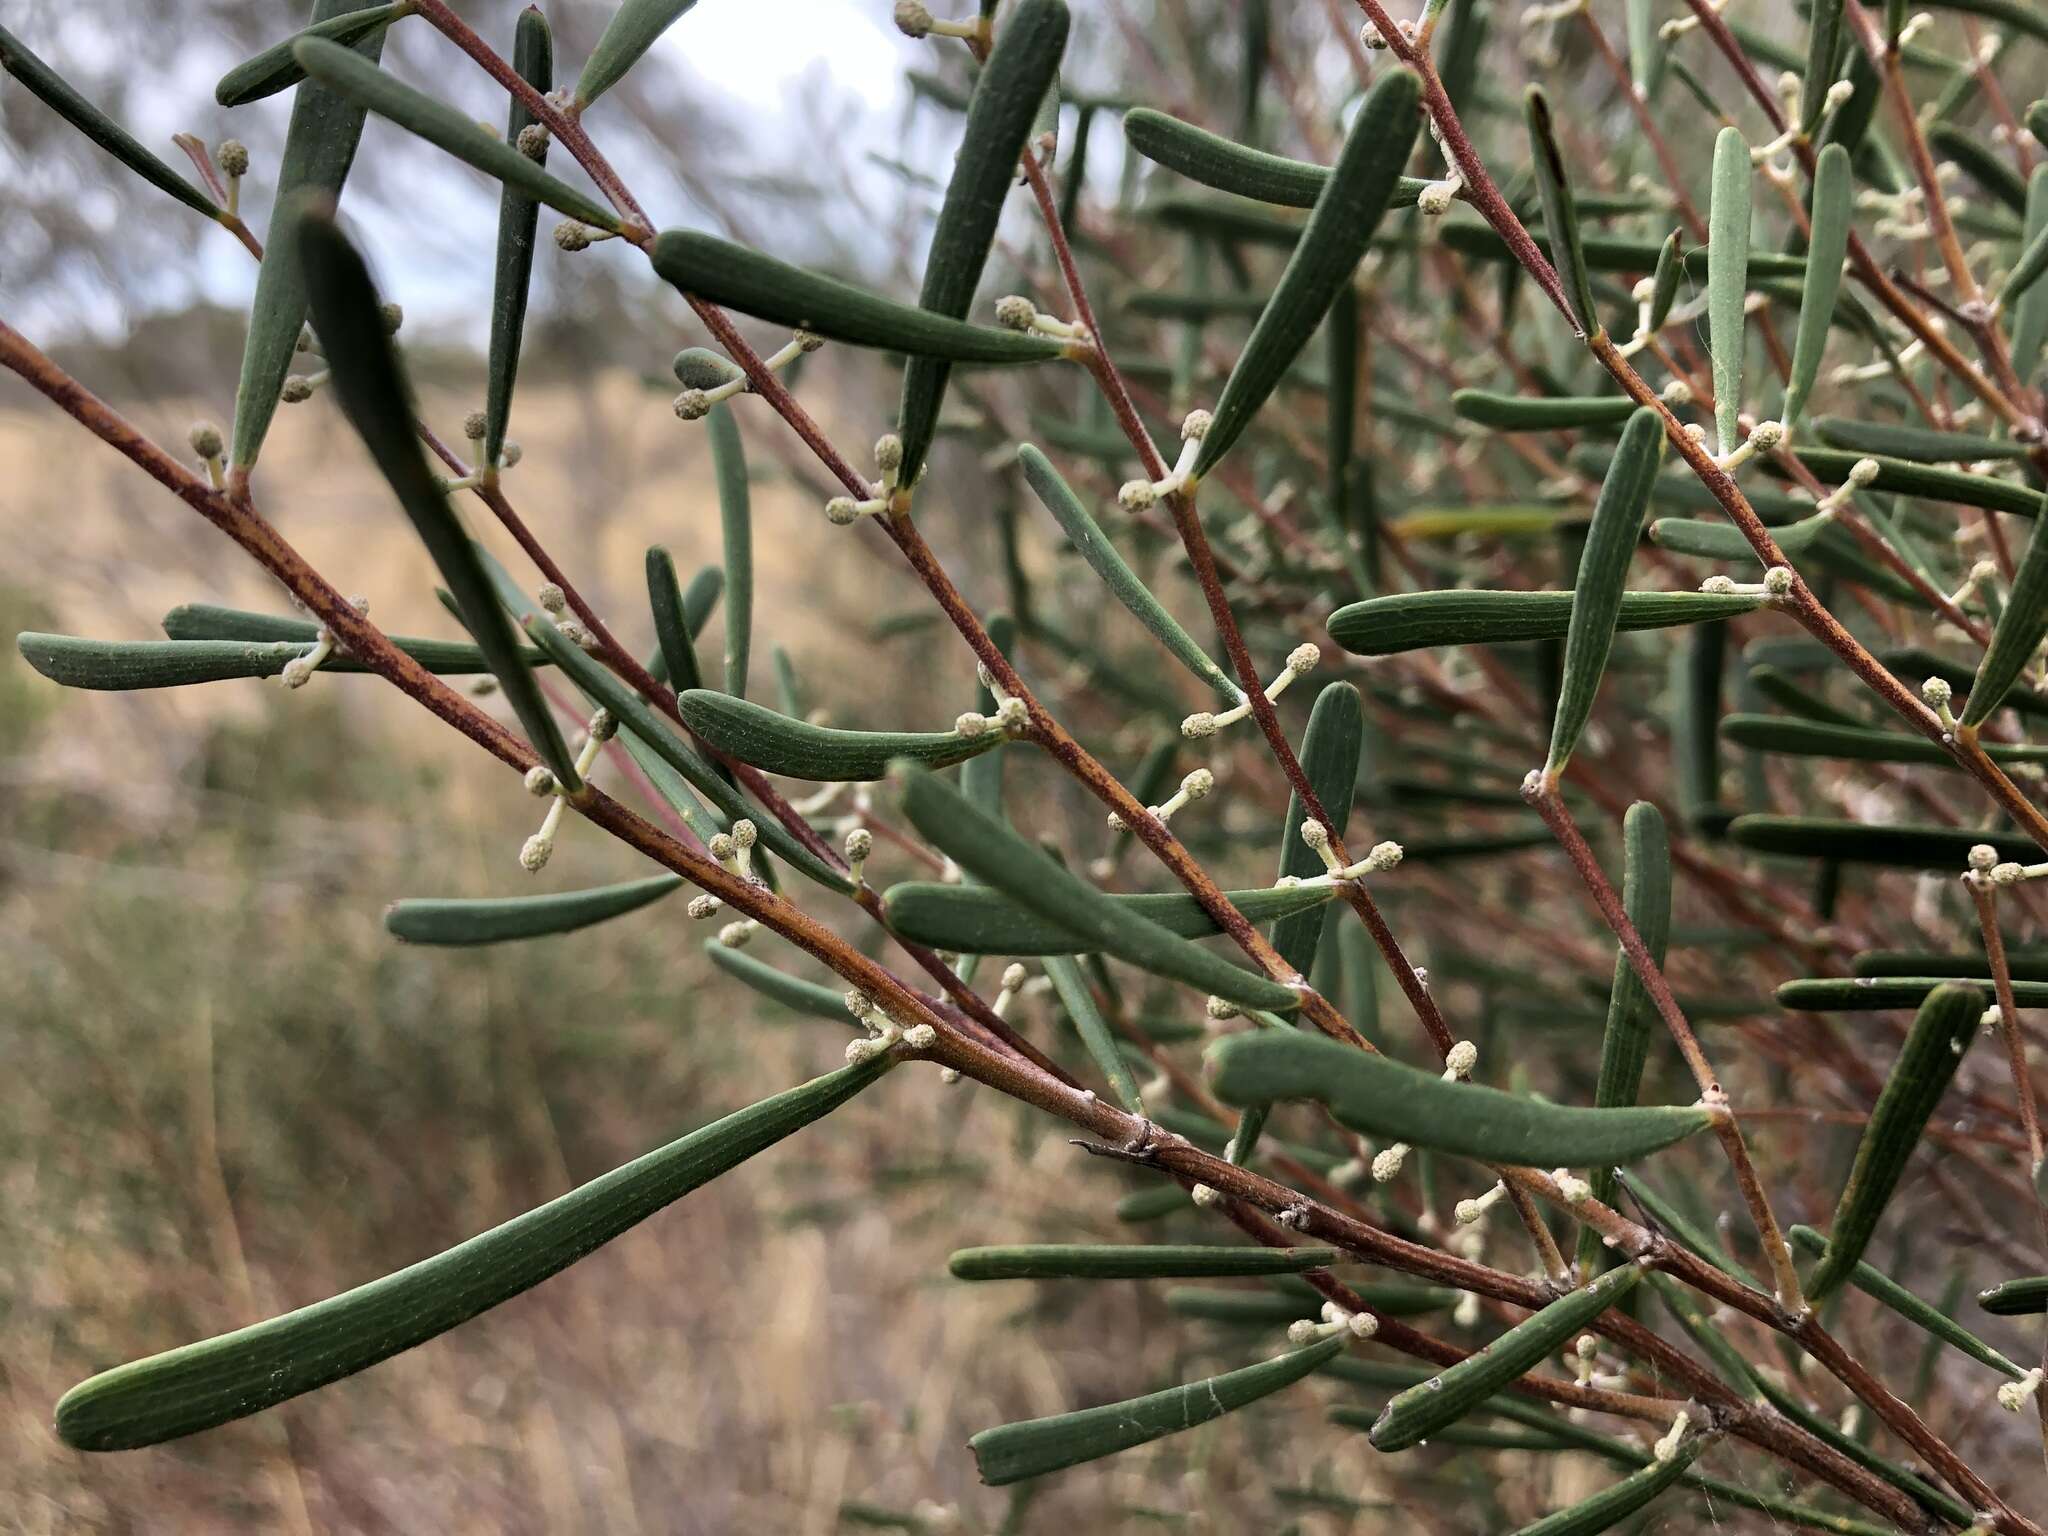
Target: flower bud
x=540, y=783
x=206, y=440
x=1014, y=312
x=571, y=236
x=913, y=19
x=232, y=157
x=692, y=405
x=297, y=387
x=1136, y=495
x=533, y=141
x=475, y=425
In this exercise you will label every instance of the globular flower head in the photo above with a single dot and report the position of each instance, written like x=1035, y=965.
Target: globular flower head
x=1015, y=312
x=1304, y=657
x=571, y=236
x=232, y=157
x=533, y=855
x=206, y=440
x=692, y=405
x=540, y=783
x=1201, y=723
x=913, y=19
x=1195, y=426
x=841, y=511
x=533, y=141
x=475, y=425
x=1136, y=495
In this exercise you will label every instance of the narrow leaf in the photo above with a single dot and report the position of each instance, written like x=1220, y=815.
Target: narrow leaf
x=799, y=750
x=1445, y=1398
x=1021, y=67
x=533, y=56
x=208, y=621
x=1236, y=168
x=1872, y=994
x=47, y=86
x=756, y=284
x=1541, y=413
x=2019, y=632
x=1823, y=52
x=1330, y=750
x=124, y=665
x=1728, y=216
x=1832, y=465
x=244, y=1372
x=275, y=69
x=449, y=921
x=1093, y=546
x=634, y=28
x=352, y=76
x=1387, y=1098
x=1625, y=1047
x=1921, y=1314
x=736, y=524
x=2016, y=1298
x=1819, y=738
x=1603, y=570
x=1612, y=1505
x=1560, y=211
x=1899, y=845
x=1072, y=989
x=1144, y=1261
x=1413, y=621
x=778, y=986
x=991, y=852
x=1334, y=240
x=671, y=630
x=1922, y=445
x=1941, y=1032
x=319, y=147
x=373, y=395
x=1826, y=256
x=978, y=920
x=2030, y=312
x=1035, y=1447
x=1664, y=278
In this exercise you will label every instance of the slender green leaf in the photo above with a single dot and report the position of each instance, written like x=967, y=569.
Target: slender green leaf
x=1612, y=1505
x=1331, y=245
x=736, y=520
x=634, y=28
x=1560, y=211
x=2016, y=1298
x=779, y=986
x=1072, y=989
x=1035, y=1447
x=55, y=92
x=978, y=920
x=1870, y=994
x=274, y=69
x=1093, y=546
x=1021, y=68
x=1541, y=413
x=1236, y=168
x=1934, y=1048
x=533, y=56
x=1826, y=258
x=1921, y=444
x=356, y=78
x=1823, y=52
x=319, y=147
x=1152, y=1204
x=1603, y=571
x=1818, y=738
x=244, y=1372
x=207, y=621
x=2030, y=964
x=373, y=394
x=799, y=750
x=702, y=368
x=1445, y=1398
x=1900, y=845
x=2019, y=632
x=1664, y=278
x=1922, y=1315
x=1625, y=1046
x=1150, y=1261
x=1708, y=540
x=759, y=285
x=454, y=921
x=672, y=632
x=1728, y=216
x=1330, y=750
x=991, y=852
x=1413, y=621
x=124, y=665
x=1832, y=465
x=1387, y=1098
x=2029, y=314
